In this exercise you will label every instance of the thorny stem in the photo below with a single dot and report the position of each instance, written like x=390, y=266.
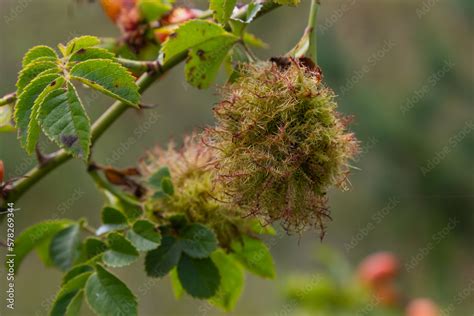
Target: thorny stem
x=15, y=190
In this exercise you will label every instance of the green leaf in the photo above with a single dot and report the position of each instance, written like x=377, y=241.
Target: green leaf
x=33, y=126
x=161, y=260
x=67, y=294
x=6, y=119
x=121, y=253
x=153, y=10
x=25, y=102
x=79, y=43
x=74, y=306
x=178, y=290
x=89, y=53
x=108, y=296
x=113, y=219
x=94, y=246
x=199, y=277
x=232, y=281
x=222, y=9
x=155, y=179
x=64, y=248
x=42, y=250
x=64, y=120
x=144, y=235
x=255, y=256
x=113, y=216
x=198, y=241
x=252, y=10
x=34, y=235
x=108, y=77
x=252, y=40
x=205, y=60
x=207, y=43
x=37, y=52
x=167, y=186
x=34, y=70
x=75, y=271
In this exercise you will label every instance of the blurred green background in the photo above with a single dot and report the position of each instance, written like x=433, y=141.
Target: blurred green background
x=404, y=69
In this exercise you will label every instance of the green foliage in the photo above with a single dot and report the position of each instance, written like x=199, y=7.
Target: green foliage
x=199, y=277
x=121, y=252
x=108, y=296
x=46, y=95
x=112, y=219
x=39, y=52
x=207, y=44
x=254, y=256
x=64, y=120
x=144, y=235
x=222, y=9
x=179, y=219
x=108, y=77
x=160, y=261
x=32, y=237
x=66, y=300
x=231, y=283
x=64, y=249
x=198, y=241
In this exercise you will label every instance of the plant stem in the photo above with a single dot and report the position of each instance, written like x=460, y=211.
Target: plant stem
x=139, y=65
x=15, y=190
x=312, y=22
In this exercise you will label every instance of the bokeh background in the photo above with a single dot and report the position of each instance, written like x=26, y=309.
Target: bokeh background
x=404, y=69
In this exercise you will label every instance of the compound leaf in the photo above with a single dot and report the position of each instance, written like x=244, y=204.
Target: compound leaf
x=108, y=296
x=41, y=51
x=30, y=238
x=198, y=241
x=121, y=252
x=64, y=248
x=161, y=260
x=108, y=77
x=222, y=9
x=255, y=256
x=232, y=281
x=25, y=102
x=64, y=120
x=199, y=277
x=144, y=235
